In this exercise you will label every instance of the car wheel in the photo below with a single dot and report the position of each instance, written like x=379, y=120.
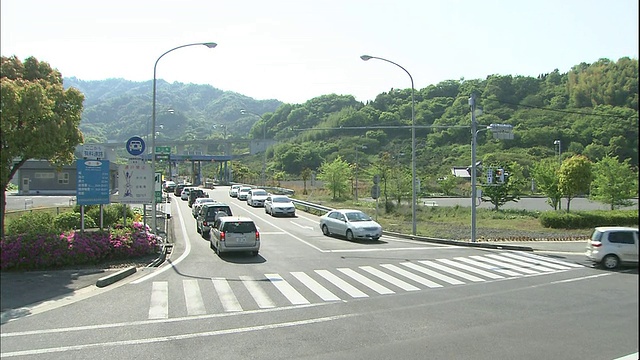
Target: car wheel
x=211, y=245
x=325, y=230
x=198, y=229
x=265, y=211
x=610, y=262
x=349, y=235
x=218, y=250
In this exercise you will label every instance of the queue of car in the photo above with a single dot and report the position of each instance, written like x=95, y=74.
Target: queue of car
x=227, y=232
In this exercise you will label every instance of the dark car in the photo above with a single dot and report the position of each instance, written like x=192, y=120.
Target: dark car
x=179, y=188
x=207, y=216
x=194, y=194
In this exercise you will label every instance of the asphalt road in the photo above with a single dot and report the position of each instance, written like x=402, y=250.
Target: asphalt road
x=308, y=296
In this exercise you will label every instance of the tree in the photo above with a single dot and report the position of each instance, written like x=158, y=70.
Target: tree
x=545, y=174
x=574, y=177
x=306, y=175
x=448, y=183
x=499, y=194
x=614, y=182
x=335, y=176
x=40, y=119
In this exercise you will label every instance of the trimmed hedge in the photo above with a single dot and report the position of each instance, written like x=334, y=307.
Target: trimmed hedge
x=588, y=219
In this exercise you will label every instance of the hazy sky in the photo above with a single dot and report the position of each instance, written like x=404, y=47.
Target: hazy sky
x=296, y=50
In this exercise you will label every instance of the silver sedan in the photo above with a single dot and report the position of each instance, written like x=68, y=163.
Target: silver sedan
x=352, y=224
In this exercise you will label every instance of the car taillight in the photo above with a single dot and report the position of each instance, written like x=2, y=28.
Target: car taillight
x=221, y=235
x=257, y=235
x=596, y=243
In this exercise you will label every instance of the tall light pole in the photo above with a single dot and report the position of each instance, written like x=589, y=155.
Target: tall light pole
x=474, y=139
x=264, y=140
x=413, y=143
x=210, y=45
x=557, y=142
x=356, y=172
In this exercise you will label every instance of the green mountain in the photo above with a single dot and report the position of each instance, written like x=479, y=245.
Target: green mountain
x=592, y=110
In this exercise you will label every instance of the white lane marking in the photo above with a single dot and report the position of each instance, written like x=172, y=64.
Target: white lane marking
x=171, y=265
x=159, y=305
x=226, y=295
x=537, y=262
x=392, y=279
x=301, y=226
x=633, y=356
x=286, y=289
x=521, y=263
x=549, y=259
x=343, y=285
x=487, y=266
x=366, y=281
x=315, y=286
x=193, y=297
x=410, y=275
x=471, y=269
x=168, y=338
x=432, y=273
x=504, y=264
x=387, y=249
x=258, y=294
x=452, y=271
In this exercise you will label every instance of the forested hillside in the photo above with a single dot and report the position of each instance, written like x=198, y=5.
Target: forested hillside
x=116, y=109
x=592, y=110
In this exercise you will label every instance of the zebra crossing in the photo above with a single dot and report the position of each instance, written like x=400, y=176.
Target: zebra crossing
x=341, y=284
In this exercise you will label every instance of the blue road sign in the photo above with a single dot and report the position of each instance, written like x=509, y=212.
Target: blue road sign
x=93, y=182
x=135, y=146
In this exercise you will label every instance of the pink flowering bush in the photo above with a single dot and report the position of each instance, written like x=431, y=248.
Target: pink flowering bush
x=46, y=251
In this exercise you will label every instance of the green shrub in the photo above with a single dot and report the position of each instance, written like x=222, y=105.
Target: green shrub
x=36, y=222
x=71, y=221
x=588, y=219
x=111, y=214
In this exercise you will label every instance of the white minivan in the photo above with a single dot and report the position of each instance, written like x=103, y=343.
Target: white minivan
x=611, y=246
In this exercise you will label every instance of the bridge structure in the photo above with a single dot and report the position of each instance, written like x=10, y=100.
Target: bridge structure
x=196, y=153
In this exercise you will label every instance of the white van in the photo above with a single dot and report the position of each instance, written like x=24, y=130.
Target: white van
x=611, y=246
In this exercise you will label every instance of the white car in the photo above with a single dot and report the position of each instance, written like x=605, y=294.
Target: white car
x=279, y=205
x=184, y=195
x=611, y=246
x=352, y=224
x=197, y=204
x=256, y=197
x=243, y=192
x=233, y=190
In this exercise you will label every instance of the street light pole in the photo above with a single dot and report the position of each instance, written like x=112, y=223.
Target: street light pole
x=474, y=136
x=557, y=142
x=210, y=45
x=413, y=143
x=356, y=172
x=264, y=140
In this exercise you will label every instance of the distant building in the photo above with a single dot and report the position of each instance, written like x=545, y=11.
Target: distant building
x=39, y=177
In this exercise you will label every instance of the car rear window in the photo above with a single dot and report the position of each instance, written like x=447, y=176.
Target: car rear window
x=241, y=227
x=213, y=210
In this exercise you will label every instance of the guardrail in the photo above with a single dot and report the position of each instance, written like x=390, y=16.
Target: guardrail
x=308, y=207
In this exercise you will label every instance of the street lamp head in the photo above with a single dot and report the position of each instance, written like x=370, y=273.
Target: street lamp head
x=366, y=57
x=556, y=142
x=243, y=112
x=210, y=45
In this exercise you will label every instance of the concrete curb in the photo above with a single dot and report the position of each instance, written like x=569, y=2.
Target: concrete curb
x=460, y=243
x=110, y=279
